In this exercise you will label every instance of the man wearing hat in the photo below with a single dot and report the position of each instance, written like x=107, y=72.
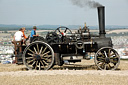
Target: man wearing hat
x=33, y=34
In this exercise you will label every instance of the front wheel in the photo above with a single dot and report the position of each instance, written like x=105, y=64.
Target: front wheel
x=107, y=58
x=39, y=56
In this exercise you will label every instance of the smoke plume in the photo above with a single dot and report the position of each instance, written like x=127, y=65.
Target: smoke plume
x=86, y=3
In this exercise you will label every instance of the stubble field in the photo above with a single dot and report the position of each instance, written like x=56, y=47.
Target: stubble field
x=82, y=73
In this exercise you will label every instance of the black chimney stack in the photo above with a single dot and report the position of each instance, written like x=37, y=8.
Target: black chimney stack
x=101, y=16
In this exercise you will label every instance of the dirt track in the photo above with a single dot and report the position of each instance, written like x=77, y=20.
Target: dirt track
x=79, y=74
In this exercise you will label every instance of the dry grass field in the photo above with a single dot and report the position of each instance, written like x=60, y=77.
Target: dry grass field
x=83, y=73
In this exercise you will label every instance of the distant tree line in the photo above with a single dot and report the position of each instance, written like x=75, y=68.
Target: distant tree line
x=11, y=28
x=3, y=28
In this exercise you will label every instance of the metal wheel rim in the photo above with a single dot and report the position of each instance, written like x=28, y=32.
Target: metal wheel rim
x=36, y=62
x=58, y=29
x=105, y=65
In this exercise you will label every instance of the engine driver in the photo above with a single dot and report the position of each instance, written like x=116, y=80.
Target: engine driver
x=33, y=34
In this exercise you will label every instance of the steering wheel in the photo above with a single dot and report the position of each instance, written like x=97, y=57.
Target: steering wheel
x=65, y=30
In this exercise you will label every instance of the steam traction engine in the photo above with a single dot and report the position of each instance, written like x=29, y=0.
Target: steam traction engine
x=60, y=46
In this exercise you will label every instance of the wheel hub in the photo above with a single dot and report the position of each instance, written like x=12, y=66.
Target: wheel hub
x=37, y=57
x=107, y=60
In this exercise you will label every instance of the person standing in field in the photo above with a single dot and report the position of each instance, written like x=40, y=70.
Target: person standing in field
x=33, y=34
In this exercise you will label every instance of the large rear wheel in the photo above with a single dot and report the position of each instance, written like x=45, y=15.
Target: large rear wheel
x=107, y=58
x=39, y=56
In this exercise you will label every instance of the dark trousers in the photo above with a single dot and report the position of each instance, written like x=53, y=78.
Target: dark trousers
x=31, y=39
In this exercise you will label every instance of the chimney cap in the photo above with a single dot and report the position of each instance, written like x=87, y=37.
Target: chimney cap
x=101, y=7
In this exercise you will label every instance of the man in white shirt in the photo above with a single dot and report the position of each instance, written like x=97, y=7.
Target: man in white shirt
x=18, y=36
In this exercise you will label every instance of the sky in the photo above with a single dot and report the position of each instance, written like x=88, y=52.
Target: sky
x=61, y=12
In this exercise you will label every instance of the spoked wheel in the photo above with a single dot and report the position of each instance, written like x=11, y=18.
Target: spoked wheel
x=39, y=56
x=66, y=30
x=107, y=58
